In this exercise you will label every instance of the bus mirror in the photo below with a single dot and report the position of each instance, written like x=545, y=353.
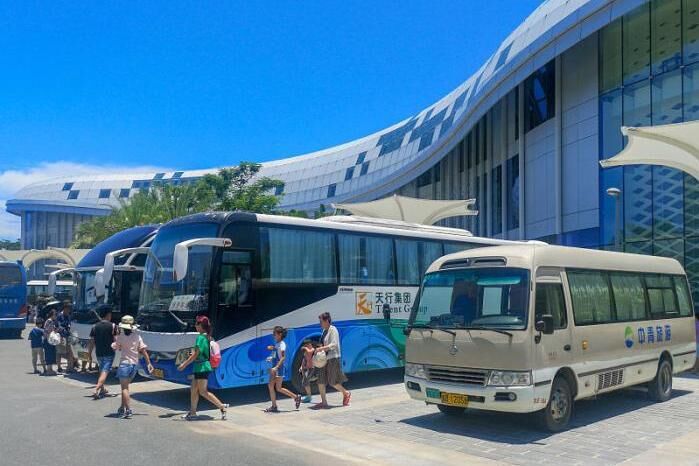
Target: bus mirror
x=99, y=283
x=180, y=260
x=545, y=324
x=108, y=269
x=386, y=311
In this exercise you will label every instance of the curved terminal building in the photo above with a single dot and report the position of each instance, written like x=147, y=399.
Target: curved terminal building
x=523, y=136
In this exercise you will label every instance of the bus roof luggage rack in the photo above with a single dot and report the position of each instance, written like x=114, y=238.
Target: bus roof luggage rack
x=386, y=223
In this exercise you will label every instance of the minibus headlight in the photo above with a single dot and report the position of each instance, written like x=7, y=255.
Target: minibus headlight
x=509, y=378
x=415, y=370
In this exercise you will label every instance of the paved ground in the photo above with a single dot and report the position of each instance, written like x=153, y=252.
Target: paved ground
x=48, y=415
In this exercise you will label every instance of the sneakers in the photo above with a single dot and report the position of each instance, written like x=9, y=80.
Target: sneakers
x=127, y=414
x=120, y=411
x=297, y=401
x=306, y=399
x=224, y=412
x=272, y=409
x=346, y=399
x=189, y=417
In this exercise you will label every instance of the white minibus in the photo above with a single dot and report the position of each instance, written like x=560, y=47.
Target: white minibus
x=529, y=327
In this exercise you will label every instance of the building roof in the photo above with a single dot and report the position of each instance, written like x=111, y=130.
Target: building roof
x=367, y=168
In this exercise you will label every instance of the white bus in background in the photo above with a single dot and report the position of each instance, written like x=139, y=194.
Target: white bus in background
x=40, y=288
x=532, y=328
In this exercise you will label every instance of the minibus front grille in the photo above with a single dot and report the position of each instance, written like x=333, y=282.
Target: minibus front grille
x=457, y=375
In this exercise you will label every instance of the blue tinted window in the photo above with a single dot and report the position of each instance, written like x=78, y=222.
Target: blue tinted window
x=124, y=193
x=67, y=186
x=331, y=190
x=278, y=190
x=365, y=169
x=513, y=192
x=105, y=193
x=360, y=158
x=638, y=203
x=393, y=139
x=159, y=176
x=74, y=194
x=668, y=205
x=539, y=92
x=503, y=56
x=349, y=173
x=177, y=174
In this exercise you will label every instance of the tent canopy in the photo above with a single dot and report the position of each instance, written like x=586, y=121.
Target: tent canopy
x=411, y=210
x=675, y=146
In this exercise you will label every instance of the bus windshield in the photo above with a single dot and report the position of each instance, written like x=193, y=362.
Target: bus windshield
x=86, y=295
x=492, y=297
x=10, y=276
x=160, y=291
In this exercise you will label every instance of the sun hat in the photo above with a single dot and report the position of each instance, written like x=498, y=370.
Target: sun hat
x=128, y=323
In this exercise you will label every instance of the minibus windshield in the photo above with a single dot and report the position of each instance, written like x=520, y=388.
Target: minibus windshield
x=493, y=297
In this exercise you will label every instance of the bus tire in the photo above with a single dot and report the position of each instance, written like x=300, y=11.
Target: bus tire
x=660, y=388
x=559, y=409
x=452, y=411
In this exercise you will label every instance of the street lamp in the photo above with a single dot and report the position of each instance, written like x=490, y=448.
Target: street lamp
x=616, y=194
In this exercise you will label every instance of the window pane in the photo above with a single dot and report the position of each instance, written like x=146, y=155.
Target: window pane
x=539, y=94
x=666, y=28
x=297, y=256
x=636, y=40
x=690, y=29
x=690, y=91
x=639, y=247
x=590, y=296
x=610, y=56
x=628, y=297
x=637, y=104
x=691, y=205
x=366, y=260
x=672, y=248
x=513, y=193
x=668, y=208
x=638, y=202
x=661, y=296
x=549, y=300
x=683, y=296
x=406, y=258
x=610, y=109
x=667, y=98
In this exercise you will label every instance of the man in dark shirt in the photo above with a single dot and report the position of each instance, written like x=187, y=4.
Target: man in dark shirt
x=101, y=339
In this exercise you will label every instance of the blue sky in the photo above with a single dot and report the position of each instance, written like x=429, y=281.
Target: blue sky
x=201, y=84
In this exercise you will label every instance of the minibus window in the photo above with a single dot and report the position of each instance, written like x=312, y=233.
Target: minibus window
x=661, y=296
x=549, y=300
x=591, y=299
x=683, y=296
x=628, y=296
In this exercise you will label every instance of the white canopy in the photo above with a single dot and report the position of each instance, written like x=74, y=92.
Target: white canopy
x=411, y=210
x=675, y=146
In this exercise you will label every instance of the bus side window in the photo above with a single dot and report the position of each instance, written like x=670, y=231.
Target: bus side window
x=549, y=300
x=228, y=285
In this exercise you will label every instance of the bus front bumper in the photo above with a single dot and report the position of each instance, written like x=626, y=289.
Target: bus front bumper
x=514, y=399
x=13, y=323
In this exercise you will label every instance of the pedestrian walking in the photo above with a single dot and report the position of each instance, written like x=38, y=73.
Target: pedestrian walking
x=131, y=345
x=331, y=373
x=101, y=339
x=49, y=342
x=36, y=341
x=64, y=349
x=200, y=356
x=308, y=372
x=276, y=372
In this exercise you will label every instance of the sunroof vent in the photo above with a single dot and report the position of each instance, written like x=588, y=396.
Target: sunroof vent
x=474, y=262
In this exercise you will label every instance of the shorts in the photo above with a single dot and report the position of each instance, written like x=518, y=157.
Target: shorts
x=280, y=371
x=127, y=371
x=105, y=363
x=201, y=375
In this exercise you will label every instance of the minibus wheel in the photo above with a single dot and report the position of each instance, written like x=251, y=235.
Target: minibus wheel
x=660, y=388
x=453, y=411
x=556, y=415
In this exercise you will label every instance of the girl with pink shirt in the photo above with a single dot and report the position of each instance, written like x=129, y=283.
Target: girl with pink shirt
x=131, y=345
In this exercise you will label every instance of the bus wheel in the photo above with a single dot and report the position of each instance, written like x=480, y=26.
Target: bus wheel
x=556, y=415
x=660, y=388
x=453, y=411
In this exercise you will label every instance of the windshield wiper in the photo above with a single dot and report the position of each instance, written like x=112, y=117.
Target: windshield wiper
x=180, y=321
x=497, y=330
x=430, y=327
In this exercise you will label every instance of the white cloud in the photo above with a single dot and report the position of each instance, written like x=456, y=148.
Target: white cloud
x=12, y=181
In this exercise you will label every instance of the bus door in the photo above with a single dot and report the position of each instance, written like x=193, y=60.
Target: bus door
x=235, y=312
x=553, y=350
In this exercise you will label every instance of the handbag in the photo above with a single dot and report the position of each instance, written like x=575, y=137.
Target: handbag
x=54, y=338
x=320, y=359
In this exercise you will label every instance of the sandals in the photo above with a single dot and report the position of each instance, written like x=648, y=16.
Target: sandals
x=272, y=409
x=297, y=401
x=189, y=417
x=224, y=412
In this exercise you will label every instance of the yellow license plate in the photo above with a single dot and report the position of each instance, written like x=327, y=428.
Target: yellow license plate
x=454, y=399
x=83, y=356
x=158, y=374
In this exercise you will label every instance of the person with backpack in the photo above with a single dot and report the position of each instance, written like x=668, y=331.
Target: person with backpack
x=201, y=357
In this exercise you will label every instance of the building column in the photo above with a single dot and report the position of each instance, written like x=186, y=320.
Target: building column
x=520, y=149
x=558, y=148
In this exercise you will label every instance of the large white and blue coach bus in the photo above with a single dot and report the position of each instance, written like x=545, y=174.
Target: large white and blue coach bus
x=121, y=290
x=250, y=272
x=13, y=298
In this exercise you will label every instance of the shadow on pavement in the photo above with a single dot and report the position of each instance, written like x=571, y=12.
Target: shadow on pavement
x=510, y=428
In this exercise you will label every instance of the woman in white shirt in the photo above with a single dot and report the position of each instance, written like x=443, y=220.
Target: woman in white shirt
x=331, y=374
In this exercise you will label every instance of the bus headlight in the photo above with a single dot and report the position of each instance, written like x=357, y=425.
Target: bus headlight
x=509, y=378
x=415, y=370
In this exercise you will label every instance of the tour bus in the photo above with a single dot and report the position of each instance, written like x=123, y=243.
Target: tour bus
x=40, y=288
x=530, y=328
x=250, y=272
x=13, y=298
x=121, y=288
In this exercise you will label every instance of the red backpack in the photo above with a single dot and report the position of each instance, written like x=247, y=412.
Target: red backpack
x=214, y=354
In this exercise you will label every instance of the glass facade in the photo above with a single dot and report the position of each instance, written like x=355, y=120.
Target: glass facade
x=649, y=75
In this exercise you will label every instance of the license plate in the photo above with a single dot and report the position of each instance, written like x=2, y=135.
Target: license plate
x=158, y=374
x=455, y=399
x=432, y=393
x=83, y=356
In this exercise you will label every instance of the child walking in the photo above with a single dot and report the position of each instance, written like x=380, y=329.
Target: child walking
x=131, y=345
x=36, y=338
x=307, y=370
x=276, y=373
